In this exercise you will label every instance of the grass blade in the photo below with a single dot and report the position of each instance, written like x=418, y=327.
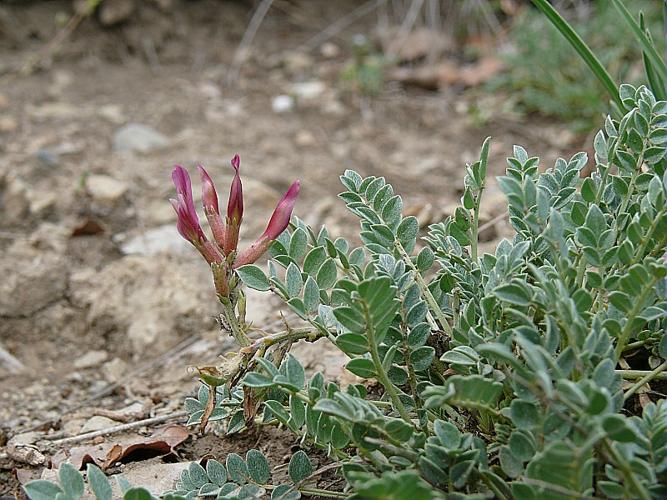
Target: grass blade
x=580, y=46
x=647, y=46
x=655, y=81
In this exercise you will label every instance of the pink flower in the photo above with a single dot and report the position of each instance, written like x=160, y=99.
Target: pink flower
x=234, y=209
x=220, y=253
x=277, y=224
x=188, y=221
x=211, y=209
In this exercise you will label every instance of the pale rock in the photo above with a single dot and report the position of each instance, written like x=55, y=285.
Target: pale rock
x=282, y=104
x=41, y=202
x=114, y=370
x=296, y=62
x=210, y=90
x=157, y=240
x=112, y=113
x=32, y=280
x=151, y=298
x=97, y=423
x=304, y=138
x=333, y=107
x=139, y=138
x=49, y=110
x=261, y=307
x=104, y=188
x=14, y=199
x=4, y=101
x=321, y=356
x=8, y=124
x=115, y=12
x=25, y=438
x=308, y=91
x=330, y=50
x=91, y=359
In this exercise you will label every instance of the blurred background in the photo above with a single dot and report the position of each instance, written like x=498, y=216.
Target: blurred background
x=102, y=305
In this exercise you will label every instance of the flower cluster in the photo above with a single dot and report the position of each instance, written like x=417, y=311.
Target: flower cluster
x=221, y=253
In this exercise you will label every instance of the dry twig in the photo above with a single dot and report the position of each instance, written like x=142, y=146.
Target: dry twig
x=121, y=428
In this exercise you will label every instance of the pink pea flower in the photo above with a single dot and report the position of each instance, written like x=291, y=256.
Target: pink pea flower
x=211, y=209
x=188, y=221
x=234, y=209
x=277, y=224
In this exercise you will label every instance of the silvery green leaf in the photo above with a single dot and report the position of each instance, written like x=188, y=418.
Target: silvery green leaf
x=137, y=494
x=311, y=295
x=198, y=475
x=295, y=372
x=71, y=481
x=99, y=483
x=327, y=274
x=253, y=277
x=237, y=468
x=293, y=280
x=216, y=472
x=41, y=489
x=299, y=467
x=258, y=467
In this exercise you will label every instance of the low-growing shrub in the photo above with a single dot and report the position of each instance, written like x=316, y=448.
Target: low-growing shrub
x=533, y=372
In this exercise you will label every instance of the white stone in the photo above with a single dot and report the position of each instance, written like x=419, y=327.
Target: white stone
x=91, y=359
x=139, y=138
x=308, y=91
x=282, y=104
x=104, y=188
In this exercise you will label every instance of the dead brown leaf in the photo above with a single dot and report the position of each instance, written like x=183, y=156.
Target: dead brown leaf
x=125, y=449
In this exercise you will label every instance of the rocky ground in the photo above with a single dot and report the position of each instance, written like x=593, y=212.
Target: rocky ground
x=102, y=307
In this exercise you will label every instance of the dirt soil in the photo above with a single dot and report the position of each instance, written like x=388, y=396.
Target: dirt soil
x=100, y=301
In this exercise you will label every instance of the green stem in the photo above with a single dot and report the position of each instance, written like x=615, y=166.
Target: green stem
x=323, y=493
x=475, y=226
x=626, y=469
x=381, y=374
x=235, y=327
x=637, y=374
x=639, y=304
x=581, y=267
x=430, y=299
x=631, y=346
x=644, y=380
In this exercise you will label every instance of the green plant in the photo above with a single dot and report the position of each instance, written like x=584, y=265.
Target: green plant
x=545, y=78
x=500, y=375
x=238, y=478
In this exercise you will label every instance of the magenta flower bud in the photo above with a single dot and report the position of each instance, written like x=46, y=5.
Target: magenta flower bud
x=283, y=212
x=188, y=220
x=234, y=209
x=277, y=224
x=209, y=195
x=211, y=209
